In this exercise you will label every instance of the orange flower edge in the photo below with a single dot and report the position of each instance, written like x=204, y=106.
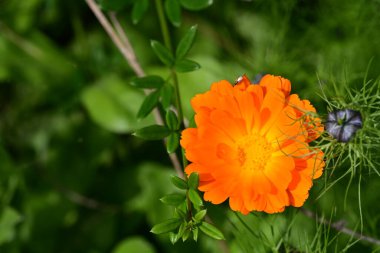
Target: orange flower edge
x=251, y=147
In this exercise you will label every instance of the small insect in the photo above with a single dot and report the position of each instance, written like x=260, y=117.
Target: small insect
x=343, y=124
x=242, y=79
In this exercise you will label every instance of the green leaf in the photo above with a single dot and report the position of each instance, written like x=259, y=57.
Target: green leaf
x=134, y=244
x=114, y=5
x=148, y=104
x=195, y=234
x=139, y=8
x=186, y=65
x=195, y=5
x=172, y=142
x=166, y=226
x=154, y=132
x=186, y=235
x=195, y=198
x=211, y=231
x=172, y=121
x=200, y=215
x=173, y=199
x=182, y=229
x=180, y=213
x=173, y=237
x=113, y=105
x=148, y=82
x=173, y=11
x=186, y=42
x=193, y=181
x=179, y=182
x=8, y=221
x=166, y=95
x=162, y=53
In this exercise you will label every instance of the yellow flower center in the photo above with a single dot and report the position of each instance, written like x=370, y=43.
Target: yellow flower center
x=253, y=152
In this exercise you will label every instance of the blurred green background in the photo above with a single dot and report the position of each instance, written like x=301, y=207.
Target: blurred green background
x=73, y=179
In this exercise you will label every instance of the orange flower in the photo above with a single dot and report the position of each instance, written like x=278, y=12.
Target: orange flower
x=251, y=145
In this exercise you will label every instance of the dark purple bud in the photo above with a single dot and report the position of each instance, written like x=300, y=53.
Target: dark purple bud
x=343, y=124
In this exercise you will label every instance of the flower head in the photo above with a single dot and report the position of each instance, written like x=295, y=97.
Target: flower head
x=343, y=124
x=251, y=145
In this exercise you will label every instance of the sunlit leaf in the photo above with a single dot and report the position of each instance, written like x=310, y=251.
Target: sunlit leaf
x=154, y=132
x=186, y=43
x=200, y=215
x=193, y=181
x=211, y=231
x=148, y=104
x=162, y=53
x=171, y=120
x=166, y=95
x=113, y=105
x=195, y=5
x=173, y=11
x=8, y=220
x=173, y=199
x=139, y=9
x=195, y=198
x=172, y=142
x=179, y=182
x=148, y=82
x=186, y=65
x=166, y=226
x=134, y=245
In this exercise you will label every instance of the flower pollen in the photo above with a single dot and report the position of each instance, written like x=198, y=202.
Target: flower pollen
x=254, y=152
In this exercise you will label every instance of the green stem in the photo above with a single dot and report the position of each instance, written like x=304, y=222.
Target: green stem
x=163, y=24
x=168, y=44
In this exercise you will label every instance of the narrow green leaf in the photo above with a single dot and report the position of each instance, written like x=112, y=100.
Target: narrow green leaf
x=211, y=231
x=179, y=182
x=166, y=226
x=148, y=82
x=195, y=198
x=193, y=181
x=173, y=11
x=180, y=213
x=186, y=65
x=182, y=229
x=166, y=95
x=148, y=104
x=173, y=199
x=195, y=234
x=172, y=121
x=186, y=234
x=154, y=132
x=139, y=9
x=195, y=5
x=172, y=142
x=200, y=215
x=186, y=42
x=162, y=53
x=173, y=237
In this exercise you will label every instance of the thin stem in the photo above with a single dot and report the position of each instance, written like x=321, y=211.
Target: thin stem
x=168, y=44
x=122, y=43
x=340, y=226
x=115, y=38
x=163, y=24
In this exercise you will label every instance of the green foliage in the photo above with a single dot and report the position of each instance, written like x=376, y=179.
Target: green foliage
x=153, y=132
x=173, y=11
x=134, y=245
x=70, y=171
x=162, y=53
x=113, y=105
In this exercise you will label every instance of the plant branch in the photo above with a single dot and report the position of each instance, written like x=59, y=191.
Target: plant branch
x=340, y=226
x=120, y=39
